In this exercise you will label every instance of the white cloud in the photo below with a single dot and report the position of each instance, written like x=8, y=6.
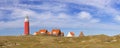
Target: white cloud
x=11, y=24
x=1, y=15
x=63, y=16
x=84, y=15
x=96, y=3
x=101, y=26
x=101, y=5
x=47, y=19
x=50, y=19
x=44, y=15
x=55, y=7
x=18, y=13
x=95, y=20
x=18, y=16
x=117, y=18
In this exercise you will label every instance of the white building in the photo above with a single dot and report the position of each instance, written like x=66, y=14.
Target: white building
x=70, y=34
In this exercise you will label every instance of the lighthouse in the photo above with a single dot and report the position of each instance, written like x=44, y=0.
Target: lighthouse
x=26, y=26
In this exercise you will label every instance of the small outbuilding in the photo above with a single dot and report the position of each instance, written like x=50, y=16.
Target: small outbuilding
x=56, y=32
x=43, y=31
x=70, y=34
x=81, y=34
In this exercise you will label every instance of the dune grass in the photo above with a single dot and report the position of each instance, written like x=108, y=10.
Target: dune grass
x=40, y=41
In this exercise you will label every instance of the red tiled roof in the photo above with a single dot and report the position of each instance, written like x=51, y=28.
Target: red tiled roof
x=72, y=33
x=43, y=30
x=56, y=32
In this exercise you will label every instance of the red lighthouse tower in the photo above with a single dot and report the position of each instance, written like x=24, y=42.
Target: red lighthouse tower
x=26, y=26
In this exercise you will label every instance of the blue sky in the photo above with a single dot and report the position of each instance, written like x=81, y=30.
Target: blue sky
x=90, y=16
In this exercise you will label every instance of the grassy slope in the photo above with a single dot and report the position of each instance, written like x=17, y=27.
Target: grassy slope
x=98, y=41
